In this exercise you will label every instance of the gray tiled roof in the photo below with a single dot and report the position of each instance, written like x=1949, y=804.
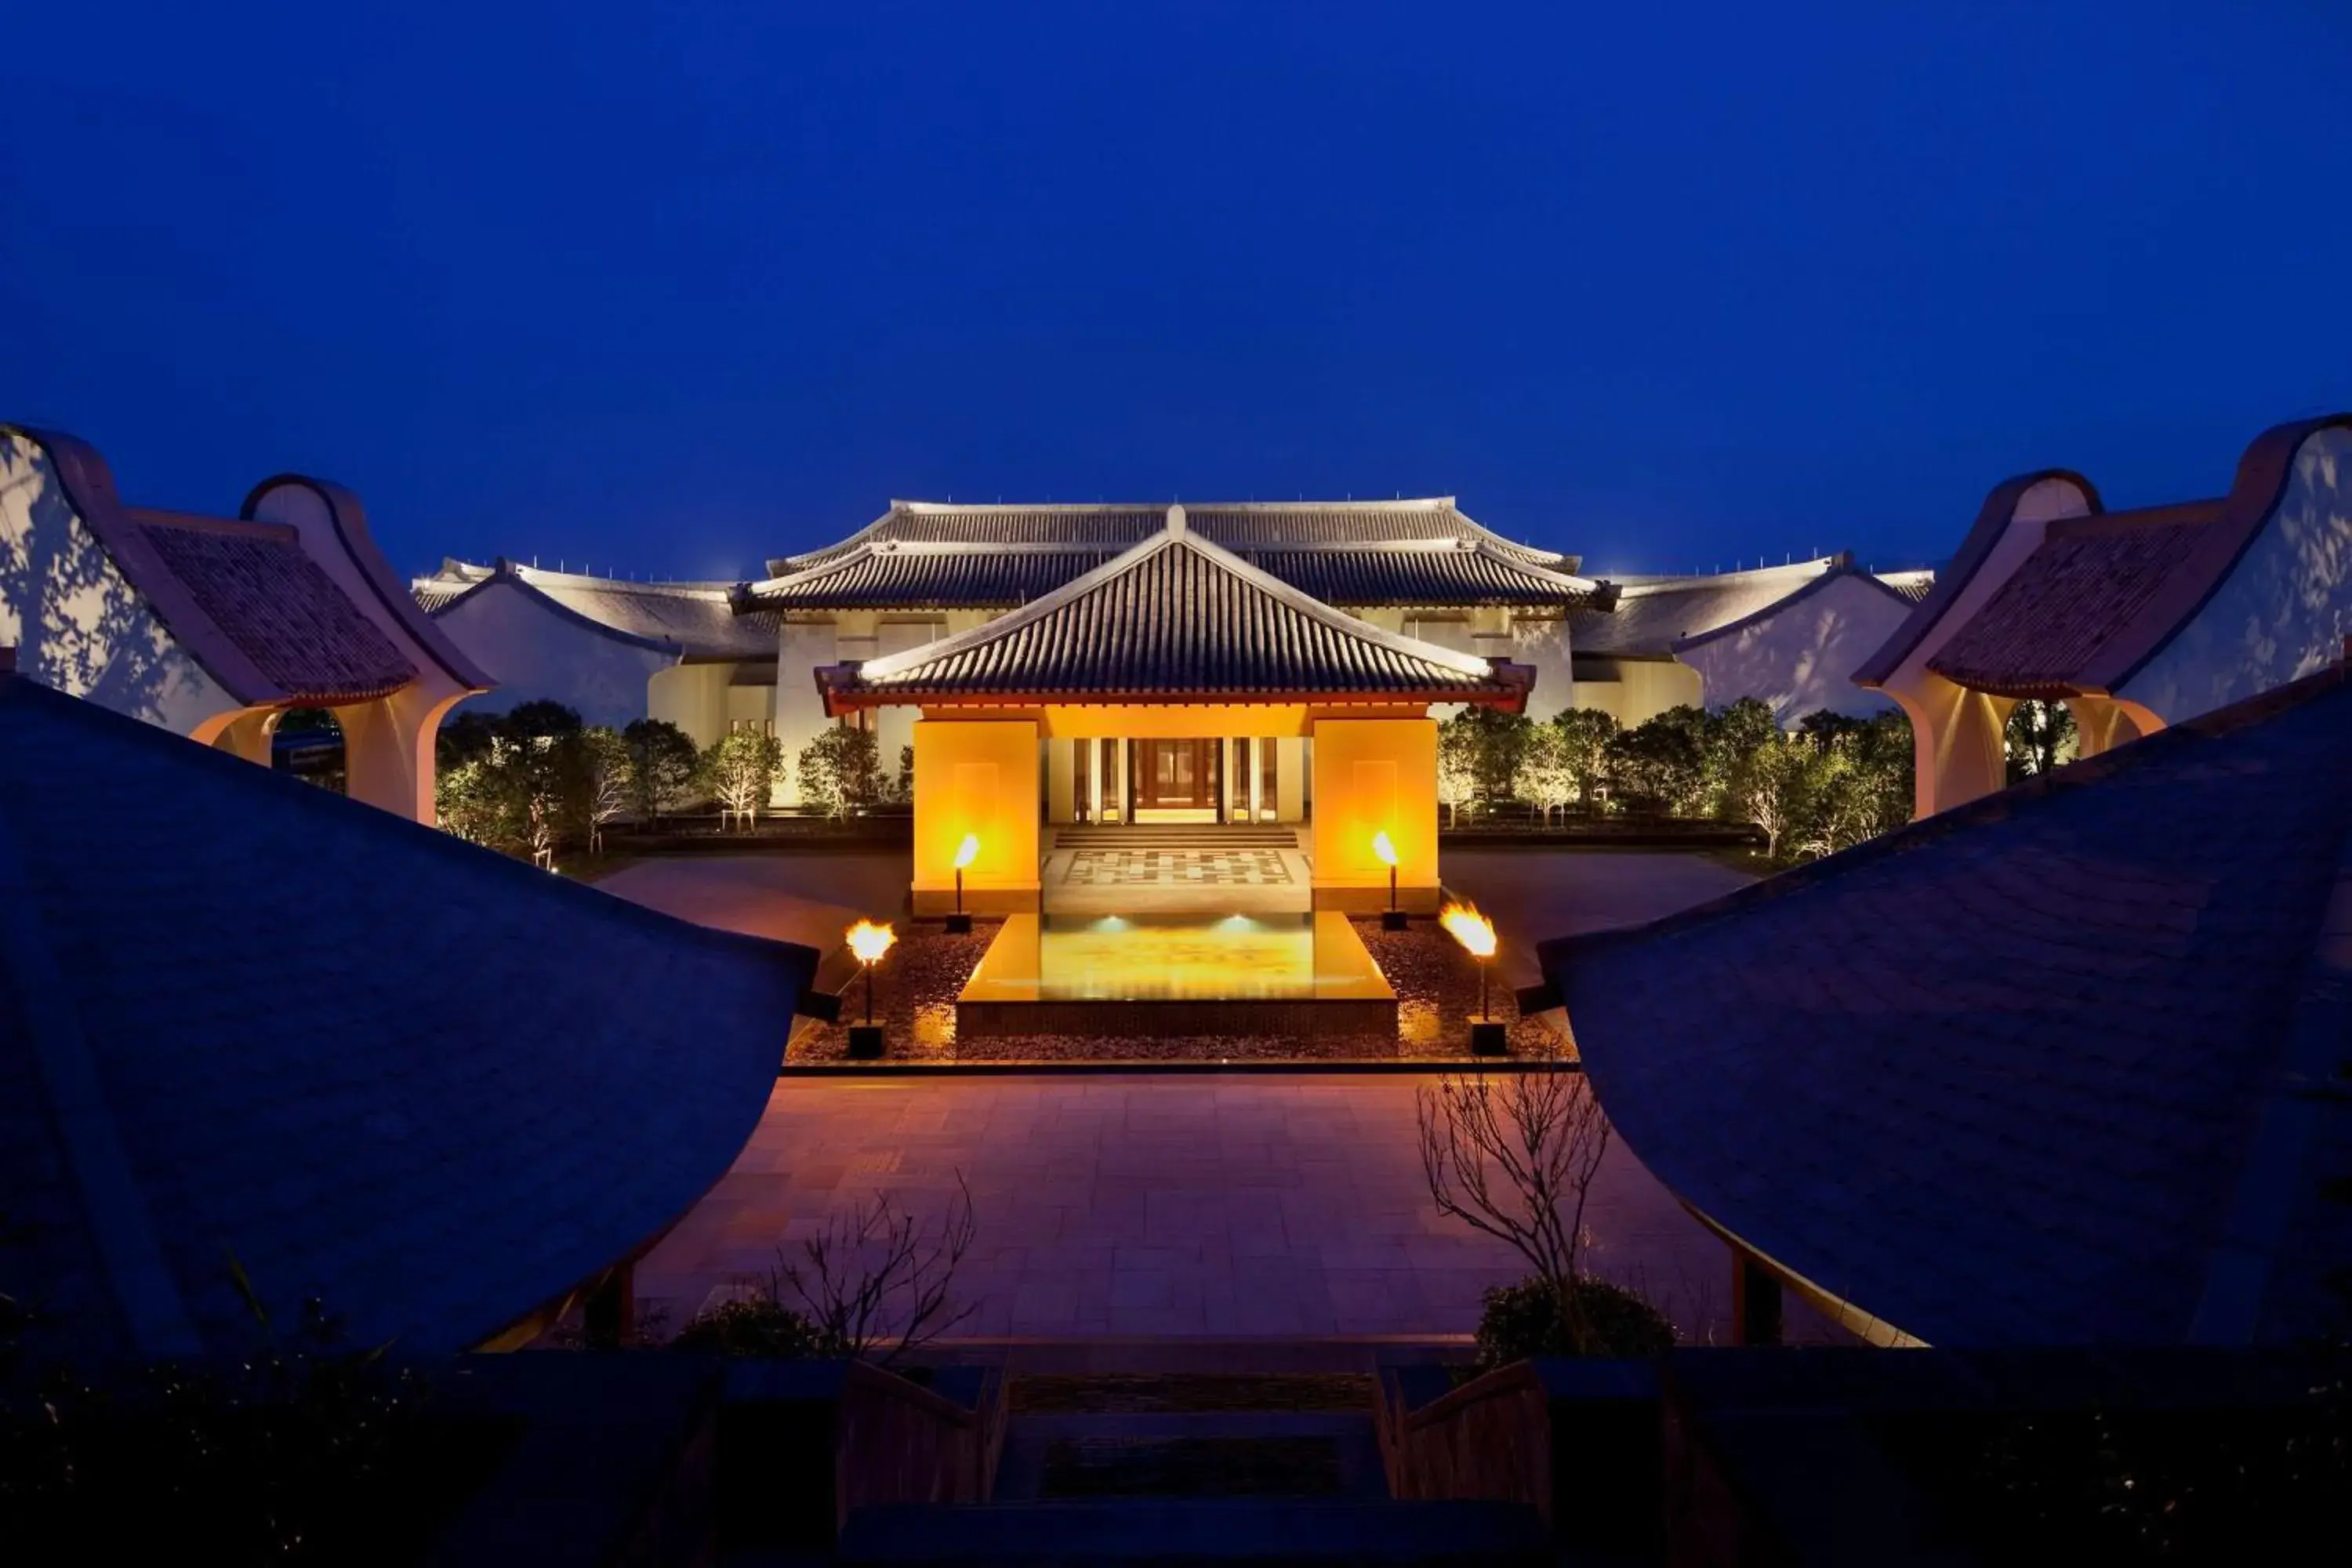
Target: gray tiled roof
x=281, y=608
x=2031, y=1072
x=226, y=1030
x=1175, y=616
x=1237, y=525
x=697, y=619
x=1447, y=570
x=1653, y=614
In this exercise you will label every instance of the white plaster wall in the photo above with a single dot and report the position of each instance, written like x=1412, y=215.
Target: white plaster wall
x=694, y=697
x=1644, y=688
x=799, y=710
x=2285, y=609
x=536, y=654
x=1545, y=644
x=1802, y=659
x=894, y=728
x=748, y=704
x=75, y=622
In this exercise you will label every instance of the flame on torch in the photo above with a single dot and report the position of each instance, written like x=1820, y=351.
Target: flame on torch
x=1465, y=925
x=967, y=851
x=869, y=941
x=1385, y=848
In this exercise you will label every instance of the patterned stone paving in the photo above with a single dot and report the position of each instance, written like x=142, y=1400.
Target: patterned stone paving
x=1177, y=867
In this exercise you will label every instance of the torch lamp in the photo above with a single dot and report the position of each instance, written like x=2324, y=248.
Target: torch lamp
x=868, y=944
x=960, y=923
x=1393, y=918
x=1475, y=932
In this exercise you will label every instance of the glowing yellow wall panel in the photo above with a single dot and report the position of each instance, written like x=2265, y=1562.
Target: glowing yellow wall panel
x=1373, y=775
x=977, y=777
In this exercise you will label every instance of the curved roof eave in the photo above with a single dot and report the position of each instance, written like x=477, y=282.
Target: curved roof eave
x=349, y=518
x=2264, y=469
x=506, y=572
x=89, y=489
x=1844, y=569
x=1993, y=519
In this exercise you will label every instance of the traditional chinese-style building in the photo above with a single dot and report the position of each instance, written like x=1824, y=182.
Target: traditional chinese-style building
x=216, y=626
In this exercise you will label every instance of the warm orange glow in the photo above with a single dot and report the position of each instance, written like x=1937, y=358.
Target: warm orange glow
x=967, y=851
x=1465, y=925
x=870, y=941
x=1385, y=848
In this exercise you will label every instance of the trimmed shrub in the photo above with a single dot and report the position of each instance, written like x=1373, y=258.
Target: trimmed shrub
x=1592, y=1317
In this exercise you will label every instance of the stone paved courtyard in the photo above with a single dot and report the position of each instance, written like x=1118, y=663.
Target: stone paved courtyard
x=1286, y=1205
x=1277, y=1206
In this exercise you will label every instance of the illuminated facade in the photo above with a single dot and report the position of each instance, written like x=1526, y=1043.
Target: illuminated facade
x=1175, y=682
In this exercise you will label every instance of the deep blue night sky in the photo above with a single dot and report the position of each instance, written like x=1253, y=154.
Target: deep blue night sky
x=672, y=287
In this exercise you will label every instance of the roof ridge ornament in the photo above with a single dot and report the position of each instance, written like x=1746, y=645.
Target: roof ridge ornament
x=1176, y=520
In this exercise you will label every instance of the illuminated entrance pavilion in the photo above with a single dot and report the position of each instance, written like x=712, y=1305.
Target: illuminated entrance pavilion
x=1158, y=692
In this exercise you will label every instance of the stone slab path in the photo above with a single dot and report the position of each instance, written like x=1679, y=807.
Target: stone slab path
x=1243, y=1205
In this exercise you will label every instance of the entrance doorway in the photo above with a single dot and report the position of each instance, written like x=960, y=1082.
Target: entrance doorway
x=1176, y=781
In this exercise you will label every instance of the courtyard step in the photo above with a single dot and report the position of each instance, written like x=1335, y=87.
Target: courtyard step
x=1182, y=835
x=1197, y=1530
x=1179, y=1466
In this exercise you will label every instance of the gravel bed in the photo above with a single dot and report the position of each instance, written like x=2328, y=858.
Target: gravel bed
x=915, y=989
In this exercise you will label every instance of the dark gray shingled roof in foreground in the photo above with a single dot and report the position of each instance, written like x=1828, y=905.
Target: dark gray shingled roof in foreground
x=228, y=1031
x=1237, y=525
x=2031, y=1072
x=1175, y=616
x=1436, y=572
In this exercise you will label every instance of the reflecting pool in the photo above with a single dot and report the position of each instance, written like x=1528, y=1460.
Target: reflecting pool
x=1071, y=973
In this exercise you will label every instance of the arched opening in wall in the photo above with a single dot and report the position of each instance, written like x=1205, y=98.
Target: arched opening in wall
x=309, y=743
x=2040, y=736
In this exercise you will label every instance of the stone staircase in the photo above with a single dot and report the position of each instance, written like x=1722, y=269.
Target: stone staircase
x=1176, y=835
x=1193, y=1468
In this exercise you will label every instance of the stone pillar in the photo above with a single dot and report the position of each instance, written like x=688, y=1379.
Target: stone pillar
x=977, y=777
x=1290, y=780
x=2102, y=723
x=1371, y=777
x=1955, y=734
x=248, y=734
x=1061, y=798
x=1755, y=1302
x=388, y=747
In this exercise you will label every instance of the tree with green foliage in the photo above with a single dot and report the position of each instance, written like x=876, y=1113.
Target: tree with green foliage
x=517, y=783
x=1587, y=734
x=840, y=771
x=1729, y=738
x=1662, y=763
x=610, y=779
x=904, y=790
x=1458, y=771
x=740, y=769
x=663, y=767
x=1777, y=787
x=1546, y=776
x=2039, y=736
